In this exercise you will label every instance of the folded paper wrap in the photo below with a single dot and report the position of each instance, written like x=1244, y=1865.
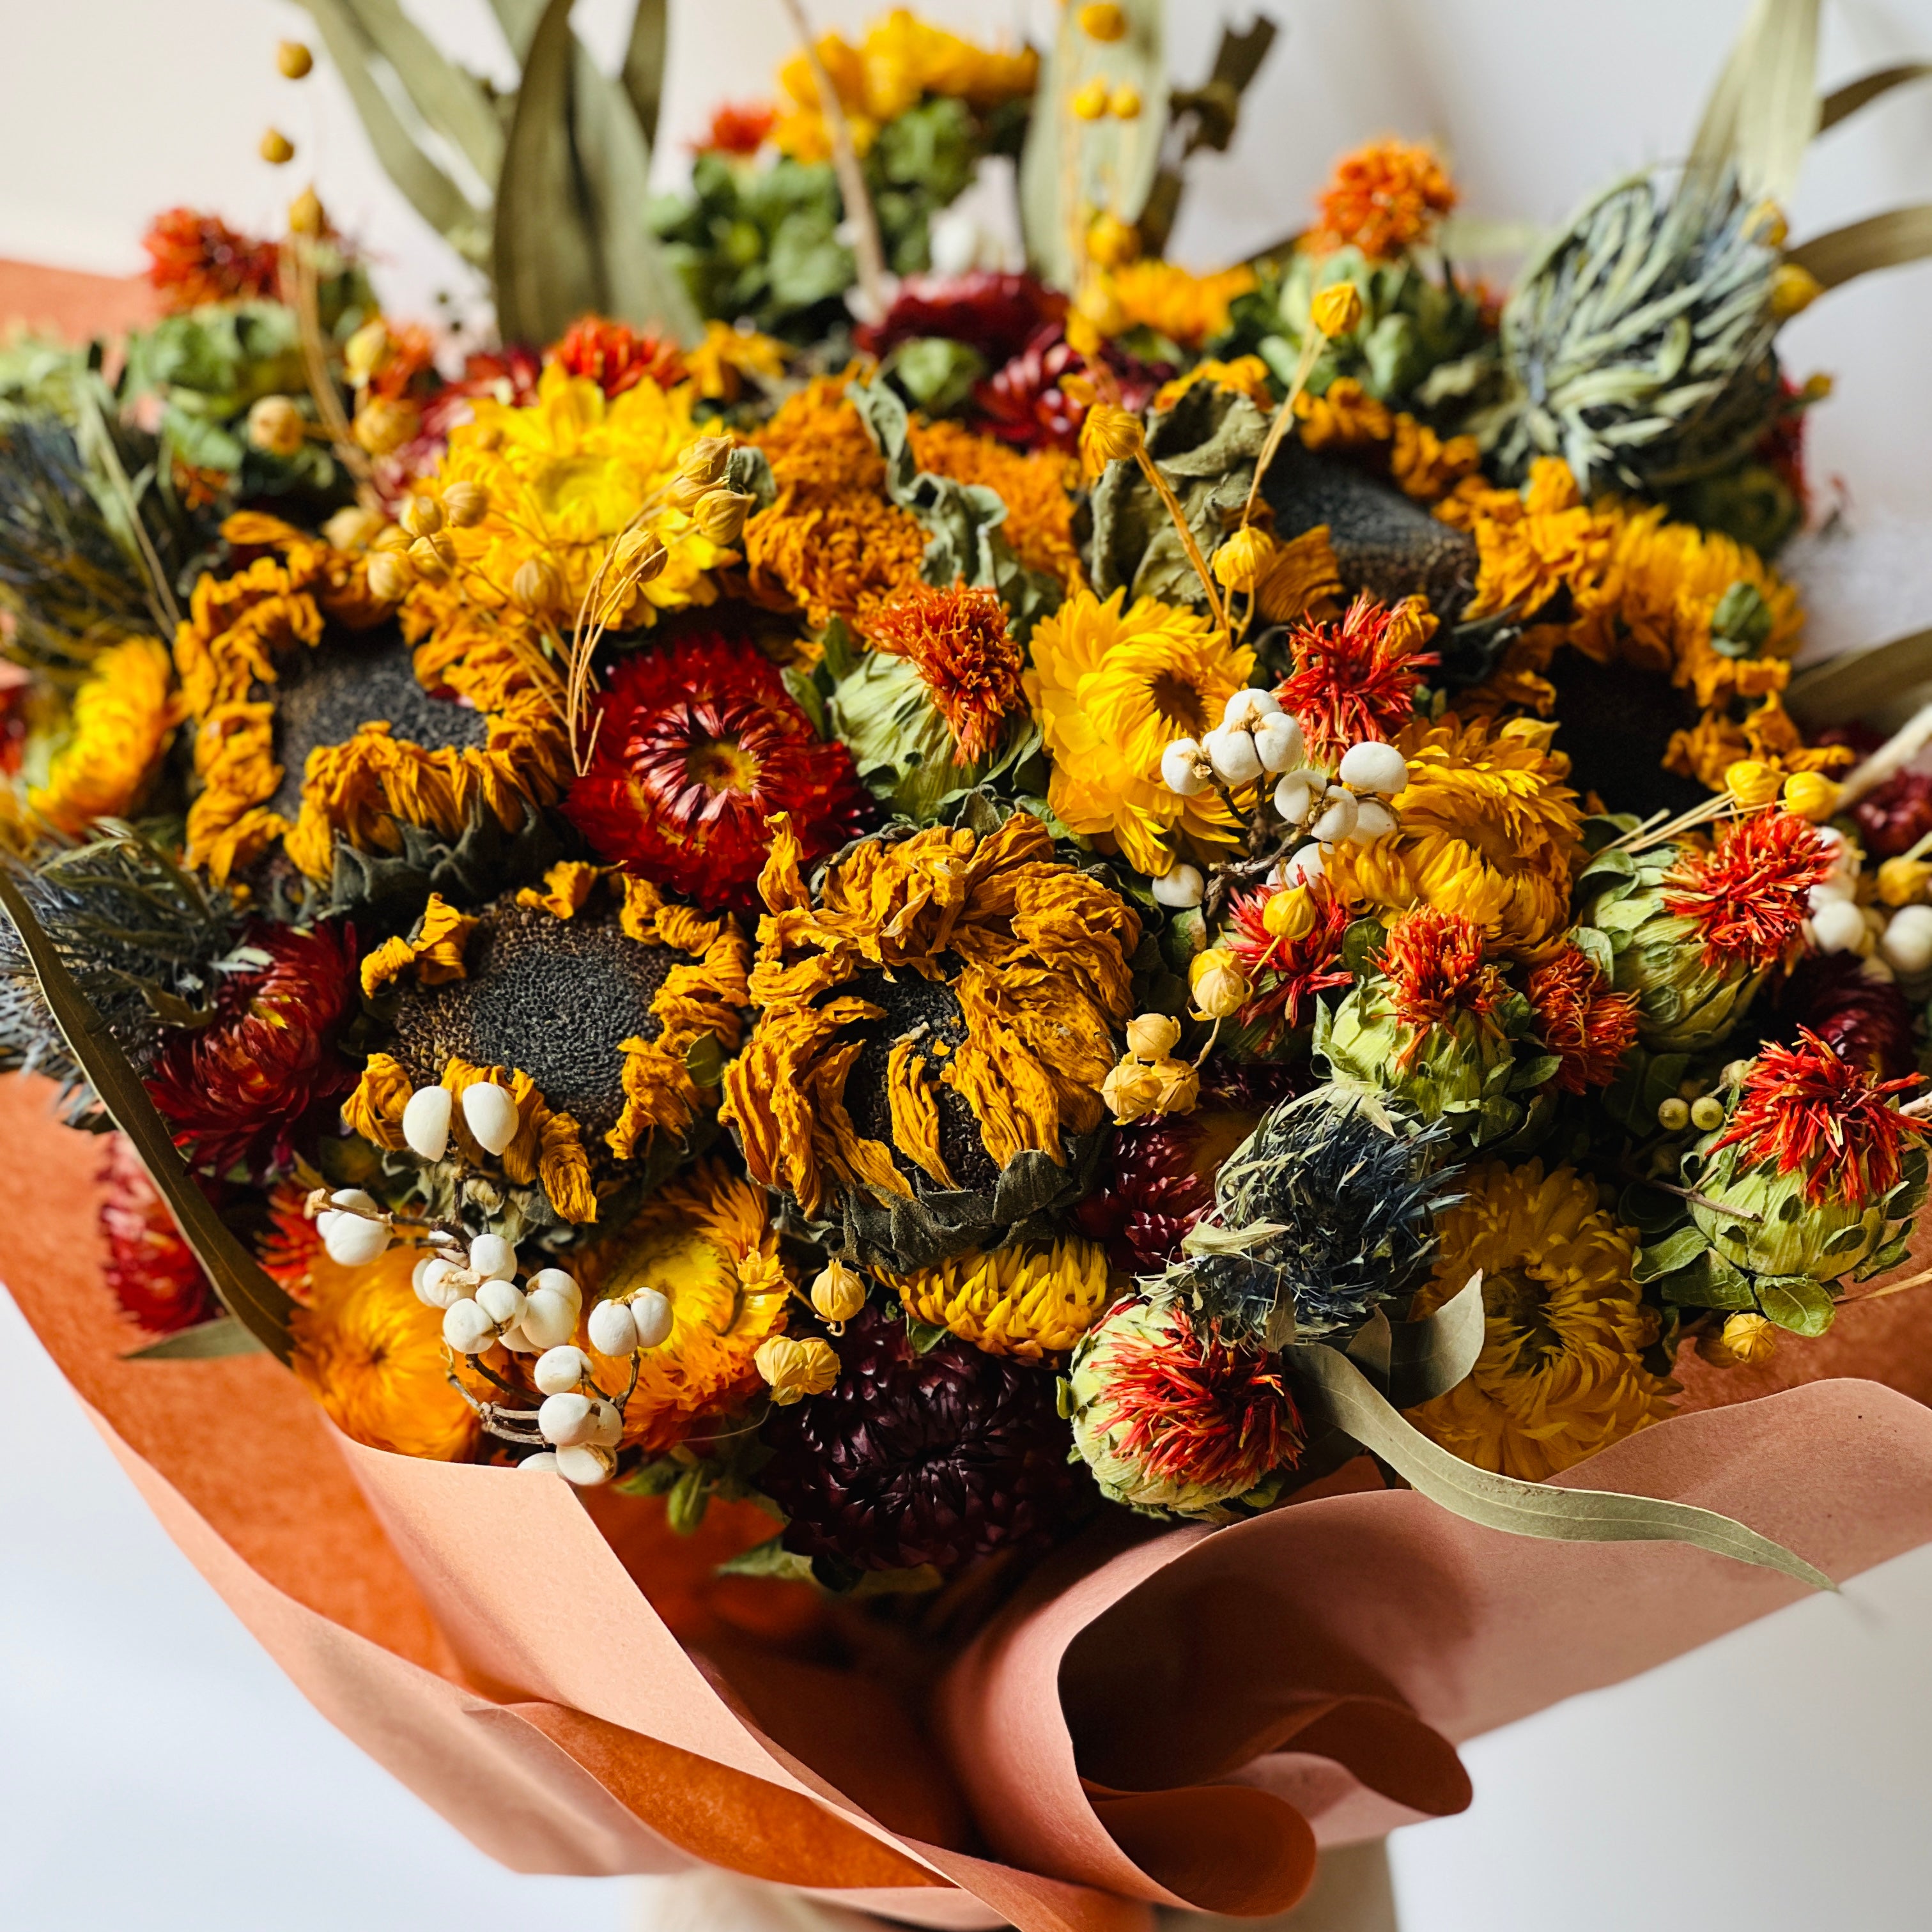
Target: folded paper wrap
x=1178, y=1716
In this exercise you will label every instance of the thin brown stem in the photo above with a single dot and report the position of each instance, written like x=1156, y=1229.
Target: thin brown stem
x=1311, y=353
x=1151, y=471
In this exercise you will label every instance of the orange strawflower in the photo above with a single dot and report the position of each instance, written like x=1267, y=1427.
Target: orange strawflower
x=1751, y=895
x=957, y=641
x=1383, y=199
x=1578, y=1017
x=738, y=127
x=1433, y=962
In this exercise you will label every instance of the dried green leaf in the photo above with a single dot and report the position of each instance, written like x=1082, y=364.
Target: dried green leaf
x=1847, y=100
x=1843, y=689
x=1430, y=1356
x=206, y=1342
x=451, y=102
x=645, y=55
x=1344, y=1396
x=246, y=1289
x=1887, y=241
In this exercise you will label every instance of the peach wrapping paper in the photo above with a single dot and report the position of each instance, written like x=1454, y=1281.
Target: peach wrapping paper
x=1174, y=1718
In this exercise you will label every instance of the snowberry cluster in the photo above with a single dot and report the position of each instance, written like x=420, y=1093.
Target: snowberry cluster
x=1257, y=740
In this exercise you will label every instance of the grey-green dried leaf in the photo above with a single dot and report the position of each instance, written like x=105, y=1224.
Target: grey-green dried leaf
x=206, y=1342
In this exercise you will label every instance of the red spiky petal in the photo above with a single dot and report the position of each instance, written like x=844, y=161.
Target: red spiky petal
x=1355, y=678
x=738, y=127
x=1579, y=1018
x=698, y=746
x=1749, y=894
x=1288, y=973
x=1433, y=962
x=958, y=642
x=1802, y=1109
x=194, y=259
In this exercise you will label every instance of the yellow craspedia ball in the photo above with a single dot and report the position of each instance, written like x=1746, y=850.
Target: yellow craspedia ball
x=1810, y=795
x=1104, y=22
x=1090, y=101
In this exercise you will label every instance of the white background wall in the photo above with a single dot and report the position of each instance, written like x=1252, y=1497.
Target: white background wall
x=156, y=1771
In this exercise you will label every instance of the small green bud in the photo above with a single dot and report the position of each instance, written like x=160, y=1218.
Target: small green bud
x=1673, y=1115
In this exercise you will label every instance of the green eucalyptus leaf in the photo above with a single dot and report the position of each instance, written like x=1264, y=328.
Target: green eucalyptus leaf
x=1345, y=1396
x=1595, y=947
x=206, y=1342
x=1674, y=1252
x=1429, y=1357
x=452, y=103
x=246, y=1289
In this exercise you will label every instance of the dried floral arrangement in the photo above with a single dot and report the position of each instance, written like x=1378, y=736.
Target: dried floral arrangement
x=930, y=904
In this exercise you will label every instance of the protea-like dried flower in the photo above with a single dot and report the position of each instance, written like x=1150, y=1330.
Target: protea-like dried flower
x=1892, y=817
x=913, y=1458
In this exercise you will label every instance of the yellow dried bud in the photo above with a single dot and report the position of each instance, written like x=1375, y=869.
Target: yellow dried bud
x=487, y=436
x=1153, y=1036
x=1131, y=1089
x=1816, y=388
x=1102, y=21
x=1090, y=101
x=1793, y=290
x=391, y=536
x=1751, y=783
x=1220, y=989
x=434, y=557
x=838, y=1292
x=537, y=588
x=705, y=461
x=354, y=528
x=720, y=516
x=1336, y=309
x=796, y=1368
x=389, y=577
x=1180, y=1087
x=465, y=504
x=1811, y=795
x=1112, y=242
x=1745, y=1341
x=1101, y=310
x=305, y=215
x=1083, y=335
x=641, y=553
x=276, y=427
x=421, y=516
x=366, y=352
x=1289, y=915
x=1110, y=434
x=277, y=149
x=385, y=424
x=1903, y=881
x=1766, y=223
x=1241, y=562
x=1124, y=102
x=293, y=59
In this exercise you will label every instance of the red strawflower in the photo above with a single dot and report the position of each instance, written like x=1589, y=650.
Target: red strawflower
x=1144, y=1205
x=1287, y=974
x=615, y=357
x=1865, y=1020
x=1209, y=1413
x=195, y=258
x=1023, y=403
x=698, y=744
x=1433, y=962
x=1579, y=1018
x=1804, y=1109
x=17, y=692
x=1355, y=678
x=996, y=314
x=1892, y=817
x=152, y=1271
x=1749, y=894
x=737, y=127
x=958, y=642
x=508, y=376
x=1781, y=447
x=244, y=1090
x=289, y=1244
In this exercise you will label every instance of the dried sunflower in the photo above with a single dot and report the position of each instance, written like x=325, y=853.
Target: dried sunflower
x=934, y=1026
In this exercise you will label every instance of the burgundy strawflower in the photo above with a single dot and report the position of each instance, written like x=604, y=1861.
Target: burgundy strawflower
x=1866, y=1021
x=1148, y=1194
x=617, y=358
x=193, y=259
x=1287, y=974
x=152, y=1271
x=248, y=1089
x=1023, y=403
x=1802, y=1109
x=1892, y=817
x=996, y=314
x=911, y=1459
x=698, y=745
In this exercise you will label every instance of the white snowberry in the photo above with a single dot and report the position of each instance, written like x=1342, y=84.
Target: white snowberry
x=501, y=1300
x=566, y=1419
x=426, y=1122
x=491, y=1112
x=1337, y=819
x=1301, y=868
x=1247, y=708
x=585, y=1465
x=544, y=1460
x=1278, y=743
x=607, y=1423
x=1907, y=947
x=1838, y=926
x=1294, y=797
x=493, y=1257
x=1181, y=888
x=1180, y=768
x=466, y=1328
x=434, y=1285
x=352, y=1240
x=652, y=1312
x=612, y=1330
x=1371, y=766
x=549, y=1317
x=1236, y=761
x=559, y=1370
x=1373, y=820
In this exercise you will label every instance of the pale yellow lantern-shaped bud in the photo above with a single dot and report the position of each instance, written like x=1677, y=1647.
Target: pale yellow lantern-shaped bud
x=1289, y=914
x=720, y=516
x=1337, y=309
x=1153, y=1036
x=466, y=504
x=1221, y=989
x=384, y=424
x=1241, y=562
x=389, y=577
x=537, y=589
x=1180, y=1087
x=794, y=1368
x=421, y=516
x=305, y=215
x=640, y=554
x=1131, y=1089
x=1903, y=881
x=1103, y=20
x=838, y=1292
x=367, y=351
x=276, y=427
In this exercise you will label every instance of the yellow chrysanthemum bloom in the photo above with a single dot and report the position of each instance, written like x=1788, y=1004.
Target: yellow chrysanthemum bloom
x=372, y=1355
x=1185, y=308
x=1346, y=419
x=1561, y=1374
x=1766, y=734
x=1026, y=1299
x=123, y=716
x=1488, y=830
x=719, y=364
x=1113, y=685
x=1534, y=544
x=705, y=1243
x=564, y=476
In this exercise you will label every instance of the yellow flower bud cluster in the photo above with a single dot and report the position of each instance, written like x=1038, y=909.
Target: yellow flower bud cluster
x=1220, y=987
x=1148, y=1079
x=794, y=1368
x=418, y=544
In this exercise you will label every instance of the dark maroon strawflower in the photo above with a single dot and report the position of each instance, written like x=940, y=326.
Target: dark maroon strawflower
x=911, y=1459
x=1892, y=817
x=152, y=1271
x=1148, y=1195
x=1866, y=1021
x=252, y=1088
x=1023, y=403
x=996, y=314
